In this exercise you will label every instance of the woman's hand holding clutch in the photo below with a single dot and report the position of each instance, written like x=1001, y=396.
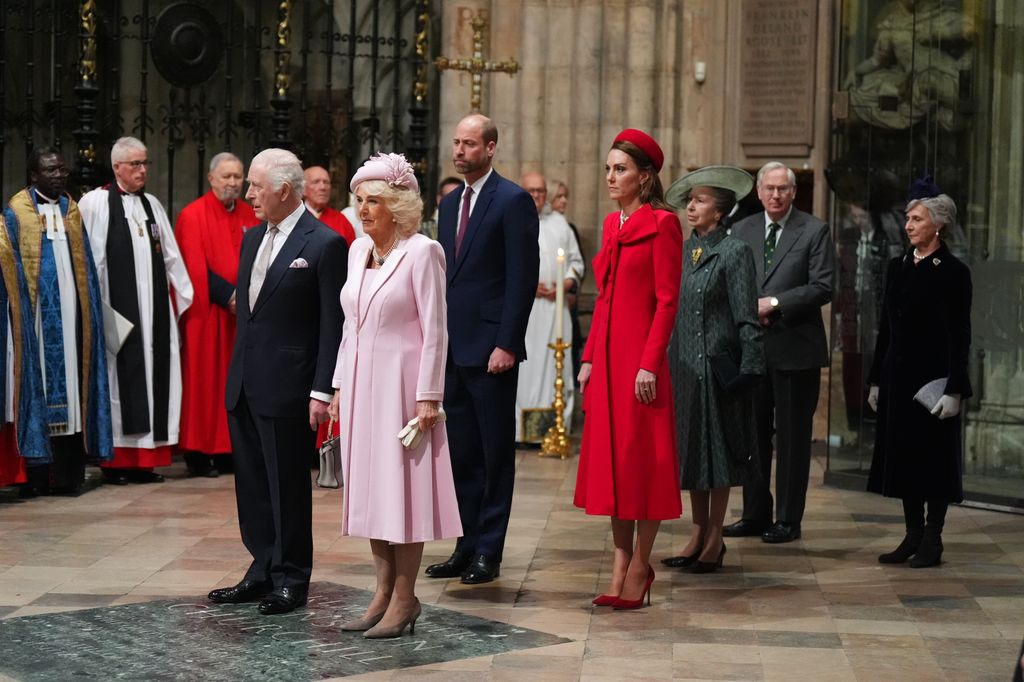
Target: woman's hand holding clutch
x=948, y=406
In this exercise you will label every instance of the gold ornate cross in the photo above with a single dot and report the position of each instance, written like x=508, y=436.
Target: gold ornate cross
x=477, y=65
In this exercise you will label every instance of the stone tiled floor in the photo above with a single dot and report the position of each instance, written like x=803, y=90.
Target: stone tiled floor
x=817, y=609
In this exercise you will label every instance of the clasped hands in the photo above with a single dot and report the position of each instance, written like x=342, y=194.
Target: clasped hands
x=948, y=405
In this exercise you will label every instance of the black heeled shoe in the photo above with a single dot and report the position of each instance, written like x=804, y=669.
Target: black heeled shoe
x=681, y=561
x=906, y=549
x=709, y=566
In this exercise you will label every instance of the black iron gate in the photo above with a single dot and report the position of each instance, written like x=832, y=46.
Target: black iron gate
x=334, y=80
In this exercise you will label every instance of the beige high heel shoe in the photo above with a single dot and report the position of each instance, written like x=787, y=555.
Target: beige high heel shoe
x=378, y=632
x=362, y=624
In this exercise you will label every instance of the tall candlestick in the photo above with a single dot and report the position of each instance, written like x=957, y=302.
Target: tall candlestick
x=559, y=294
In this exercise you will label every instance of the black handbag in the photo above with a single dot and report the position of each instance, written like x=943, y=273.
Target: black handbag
x=330, y=460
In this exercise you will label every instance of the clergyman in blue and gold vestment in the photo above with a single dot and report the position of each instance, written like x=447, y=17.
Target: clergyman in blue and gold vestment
x=64, y=297
x=23, y=436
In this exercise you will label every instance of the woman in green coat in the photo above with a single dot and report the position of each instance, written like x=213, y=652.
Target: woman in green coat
x=715, y=358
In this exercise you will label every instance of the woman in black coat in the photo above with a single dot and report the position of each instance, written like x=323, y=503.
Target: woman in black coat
x=924, y=335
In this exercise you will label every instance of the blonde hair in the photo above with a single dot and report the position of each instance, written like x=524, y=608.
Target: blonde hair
x=405, y=205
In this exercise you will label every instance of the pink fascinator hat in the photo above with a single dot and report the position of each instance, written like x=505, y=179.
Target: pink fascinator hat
x=391, y=168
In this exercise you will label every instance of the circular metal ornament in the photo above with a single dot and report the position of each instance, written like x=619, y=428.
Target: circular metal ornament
x=187, y=44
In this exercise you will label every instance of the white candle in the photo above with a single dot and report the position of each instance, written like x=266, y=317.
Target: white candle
x=560, y=294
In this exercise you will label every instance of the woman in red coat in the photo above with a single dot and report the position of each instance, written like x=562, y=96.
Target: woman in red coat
x=628, y=467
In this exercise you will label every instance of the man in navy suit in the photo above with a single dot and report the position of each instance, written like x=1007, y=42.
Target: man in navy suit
x=488, y=229
x=290, y=273
x=795, y=261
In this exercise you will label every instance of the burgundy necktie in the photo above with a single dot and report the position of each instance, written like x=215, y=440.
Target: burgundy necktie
x=463, y=219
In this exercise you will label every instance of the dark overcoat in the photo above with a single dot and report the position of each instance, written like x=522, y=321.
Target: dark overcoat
x=715, y=427
x=924, y=334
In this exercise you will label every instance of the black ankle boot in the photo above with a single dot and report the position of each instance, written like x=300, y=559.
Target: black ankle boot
x=930, y=551
x=906, y=549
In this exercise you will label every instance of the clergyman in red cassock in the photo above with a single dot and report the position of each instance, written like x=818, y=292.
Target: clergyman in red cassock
x=209, y=232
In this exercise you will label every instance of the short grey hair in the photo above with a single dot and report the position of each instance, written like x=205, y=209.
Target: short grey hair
x=941, y=209
x=221, y=158
x=282, y=166
x=775, y=165
x=124, y=145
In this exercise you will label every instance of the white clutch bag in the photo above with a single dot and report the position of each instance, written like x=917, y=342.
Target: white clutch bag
x=411, y=435
x=929, y=394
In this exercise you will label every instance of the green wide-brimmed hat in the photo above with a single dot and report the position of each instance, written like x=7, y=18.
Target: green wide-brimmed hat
x=724, y=177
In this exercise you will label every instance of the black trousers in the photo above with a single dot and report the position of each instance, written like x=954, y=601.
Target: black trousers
x=274, y=494
x=481, y=436
x=784, y=404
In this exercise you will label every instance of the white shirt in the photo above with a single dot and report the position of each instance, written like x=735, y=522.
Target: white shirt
x=781, y=222
x=477, y=186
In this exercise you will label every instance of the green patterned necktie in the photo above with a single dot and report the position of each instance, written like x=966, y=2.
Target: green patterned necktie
x=769, y=245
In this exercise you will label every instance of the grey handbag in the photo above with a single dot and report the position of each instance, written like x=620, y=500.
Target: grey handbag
x=330, y=460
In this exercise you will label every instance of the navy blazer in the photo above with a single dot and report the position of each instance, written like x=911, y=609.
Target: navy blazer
x=287, y=346
x=801, y=277
x=493, y=282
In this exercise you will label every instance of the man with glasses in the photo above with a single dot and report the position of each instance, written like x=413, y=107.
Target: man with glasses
x=139, y=266
x=64, y=297
x=794, y=258
x=536, y=389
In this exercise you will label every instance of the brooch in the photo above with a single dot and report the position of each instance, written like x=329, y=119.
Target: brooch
x=696, y=254
x=935, y=261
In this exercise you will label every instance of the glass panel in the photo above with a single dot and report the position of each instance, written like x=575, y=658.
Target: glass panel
x=932, y=87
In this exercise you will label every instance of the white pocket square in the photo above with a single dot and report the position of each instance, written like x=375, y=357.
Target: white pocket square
x=299, y=263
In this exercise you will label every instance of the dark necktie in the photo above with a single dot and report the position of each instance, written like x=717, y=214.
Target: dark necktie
x=463, y=219
x=769, y=245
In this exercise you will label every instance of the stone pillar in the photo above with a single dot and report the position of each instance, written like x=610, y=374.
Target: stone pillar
x=995, y=225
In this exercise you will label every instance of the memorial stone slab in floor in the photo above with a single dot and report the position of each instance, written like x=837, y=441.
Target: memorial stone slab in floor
x=194, y=639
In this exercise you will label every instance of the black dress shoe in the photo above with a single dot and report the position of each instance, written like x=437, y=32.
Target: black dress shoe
x=245, y=591
x=143, y=476
x=282, y=600
x=452, y=568
x=482, y=570
x=744, y=528
x=114, y=477
x=782, y=532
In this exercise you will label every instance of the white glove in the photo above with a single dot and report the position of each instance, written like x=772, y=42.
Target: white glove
x=873, y=398
x=948, y=406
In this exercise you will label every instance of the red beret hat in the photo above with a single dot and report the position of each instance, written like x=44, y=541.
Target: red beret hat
x=646, y=144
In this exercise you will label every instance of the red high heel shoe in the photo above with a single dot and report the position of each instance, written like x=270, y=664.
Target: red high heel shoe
x=628, y=604
x=604, y=600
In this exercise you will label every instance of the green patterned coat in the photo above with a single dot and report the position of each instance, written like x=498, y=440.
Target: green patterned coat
x=715, y=428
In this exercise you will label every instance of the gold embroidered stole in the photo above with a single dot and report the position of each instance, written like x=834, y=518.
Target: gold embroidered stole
x=31, y=232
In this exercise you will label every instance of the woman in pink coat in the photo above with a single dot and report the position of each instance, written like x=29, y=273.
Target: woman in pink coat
x=390, y=370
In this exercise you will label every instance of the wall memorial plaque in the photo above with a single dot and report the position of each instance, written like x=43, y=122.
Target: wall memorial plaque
x=777, y=76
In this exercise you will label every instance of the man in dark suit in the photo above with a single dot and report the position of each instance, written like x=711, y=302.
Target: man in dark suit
x=290, y=273
x=488, y=229
x=794, y=257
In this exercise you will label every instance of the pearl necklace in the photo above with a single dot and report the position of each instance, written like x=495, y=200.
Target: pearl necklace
x=379, y=259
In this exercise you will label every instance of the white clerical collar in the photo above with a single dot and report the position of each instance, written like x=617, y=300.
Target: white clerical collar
x=45, y=198
x=316, y=213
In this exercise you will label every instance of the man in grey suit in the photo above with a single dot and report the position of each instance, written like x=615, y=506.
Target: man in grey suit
x=795, y=261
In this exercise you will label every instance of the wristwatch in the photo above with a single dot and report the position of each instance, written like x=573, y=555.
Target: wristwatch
x=774, y=303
